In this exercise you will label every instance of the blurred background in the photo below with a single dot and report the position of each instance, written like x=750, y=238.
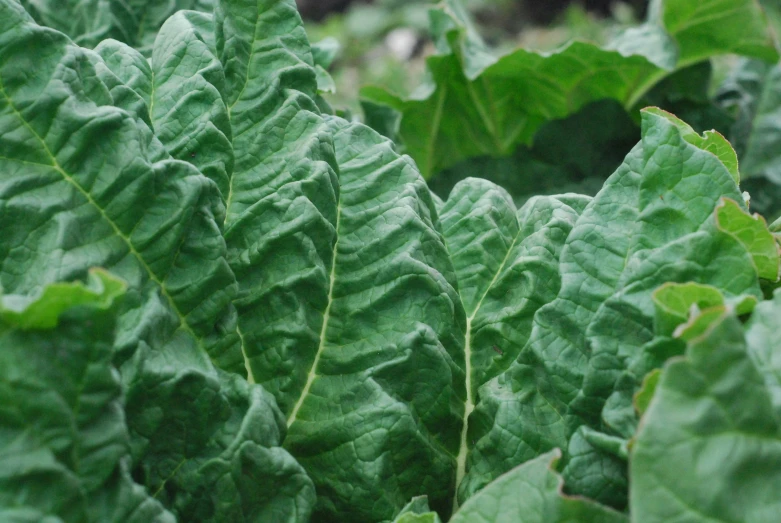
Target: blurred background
x=385, y=42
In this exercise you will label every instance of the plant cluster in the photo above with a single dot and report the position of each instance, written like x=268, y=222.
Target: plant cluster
x=222, y=302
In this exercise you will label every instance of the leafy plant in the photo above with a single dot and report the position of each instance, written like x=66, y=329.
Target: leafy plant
x=500, y=101
x=293, y=327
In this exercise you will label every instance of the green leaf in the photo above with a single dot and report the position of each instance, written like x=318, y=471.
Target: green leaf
x=385, y=392
x=43, y=311
x=674, y=303
x=647, y=390
x=417, y=511
x=282, y=196
x=506, y=261
x=134, y=22
x=709, y=445
x=532, y=493
x=89, y=184
x=645, y=228
x=753, y=233
x=499, y=101
x=710, y=141
x=64, y=444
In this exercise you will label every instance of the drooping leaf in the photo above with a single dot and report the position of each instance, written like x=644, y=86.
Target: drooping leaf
x=478, y=103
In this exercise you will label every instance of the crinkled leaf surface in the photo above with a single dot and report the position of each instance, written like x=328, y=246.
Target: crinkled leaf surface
x=532, y=493
x=709, y=445
x=506, y=261
x=655, y=221
x=88, y=22
x=477, y=103
x=64, y=443
x=86, y=183
x=379, y=417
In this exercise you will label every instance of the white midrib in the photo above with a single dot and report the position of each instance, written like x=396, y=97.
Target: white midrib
x=469, y=404
x=247, y=365
x=326, y=315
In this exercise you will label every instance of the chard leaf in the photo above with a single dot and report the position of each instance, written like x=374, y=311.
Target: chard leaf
x=385, y=392
x=283, y=193
x=655, y=221
x=64, y=443
x=356, y=300
x=88, y=22
x=506, y=262
x=709, y=445
x=88, y=184
x=500, y=101
x=532, y=493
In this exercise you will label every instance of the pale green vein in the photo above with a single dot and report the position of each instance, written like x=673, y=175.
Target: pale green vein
x=326, y=315
x=68, y=178
x=469, y=404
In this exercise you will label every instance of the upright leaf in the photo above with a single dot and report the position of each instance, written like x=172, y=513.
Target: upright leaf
x=653, y=222
x=506, y=262
x=282, y=196
x=88, y=184
x=383, y=402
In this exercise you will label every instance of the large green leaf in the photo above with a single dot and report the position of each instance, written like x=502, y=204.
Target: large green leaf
x=709, y=445
x=85, y=183
x=88, y=22
x=506, y=261
x=182, y=89
x=532, y=493
x=64, y=443
x=283, y=192
x=656, y=220
x=383, y=401
x=478, y=103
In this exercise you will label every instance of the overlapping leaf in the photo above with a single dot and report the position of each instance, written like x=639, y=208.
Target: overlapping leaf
x=660, y=218
x=709, y=445
x=134, y=22
x=65, y=447
x=86, y=184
